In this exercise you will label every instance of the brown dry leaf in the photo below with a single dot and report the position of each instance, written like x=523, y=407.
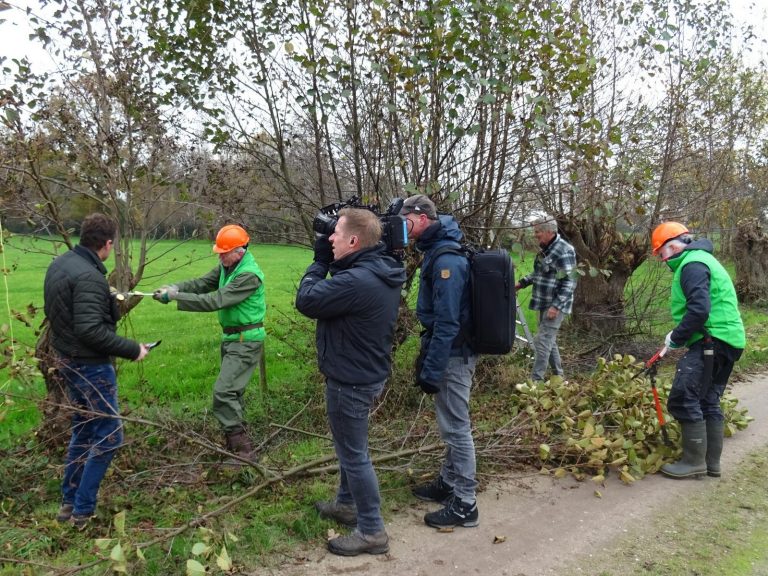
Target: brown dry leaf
x=331, y=534
x=499, y=539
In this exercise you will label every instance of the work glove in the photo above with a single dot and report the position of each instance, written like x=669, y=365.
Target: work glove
x=323, y=250
x=166, y=293
x=426, y=386
x=668, y=342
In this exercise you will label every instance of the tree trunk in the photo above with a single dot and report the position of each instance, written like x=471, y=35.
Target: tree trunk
x=607, y=259
x=54, y=429
x=750, y=250
x=598, y=304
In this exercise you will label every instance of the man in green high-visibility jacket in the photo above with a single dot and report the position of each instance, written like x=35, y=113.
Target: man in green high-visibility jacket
x=236, y=289
x=706, y=311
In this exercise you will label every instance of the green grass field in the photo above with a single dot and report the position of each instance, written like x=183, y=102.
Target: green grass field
x=177, y=375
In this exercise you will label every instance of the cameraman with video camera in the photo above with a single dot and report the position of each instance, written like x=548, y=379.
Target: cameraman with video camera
x=356, y=310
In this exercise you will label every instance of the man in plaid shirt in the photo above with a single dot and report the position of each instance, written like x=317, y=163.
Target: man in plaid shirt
x=553, y=280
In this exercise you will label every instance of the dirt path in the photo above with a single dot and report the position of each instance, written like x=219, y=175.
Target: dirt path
x=545, y=523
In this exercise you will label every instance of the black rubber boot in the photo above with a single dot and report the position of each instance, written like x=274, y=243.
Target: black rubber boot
x=694, y=450
x=715, y=430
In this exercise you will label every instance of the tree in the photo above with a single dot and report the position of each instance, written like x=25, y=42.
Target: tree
x=632, y=165
x=91, y=136
x=378, y=98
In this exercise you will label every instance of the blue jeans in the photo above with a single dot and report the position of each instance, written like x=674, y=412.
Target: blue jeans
x=96, y=435
x=452, y=411
x=687, y=401
x=348, y=409
x=545, y=346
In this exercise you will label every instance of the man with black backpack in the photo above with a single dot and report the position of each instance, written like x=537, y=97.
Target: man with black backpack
x=446, y=363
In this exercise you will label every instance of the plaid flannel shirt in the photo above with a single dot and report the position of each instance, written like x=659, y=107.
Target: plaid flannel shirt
x=553, y=277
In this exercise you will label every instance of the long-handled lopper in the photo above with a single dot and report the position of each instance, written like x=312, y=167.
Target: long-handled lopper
x=123, y=295
x=650, y=368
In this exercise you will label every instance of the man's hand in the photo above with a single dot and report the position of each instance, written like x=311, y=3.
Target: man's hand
x=426, y=386
x=166, y=293
x=668, y=342
x=552, y=312
x=518, y=286
x=144, y=350
x=323, y=250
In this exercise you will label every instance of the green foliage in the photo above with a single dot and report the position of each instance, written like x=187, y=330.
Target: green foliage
x=606, y=422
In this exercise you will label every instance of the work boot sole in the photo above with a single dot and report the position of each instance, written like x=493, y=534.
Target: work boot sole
x=697, y=474
x=382, y=549
x=466, y=524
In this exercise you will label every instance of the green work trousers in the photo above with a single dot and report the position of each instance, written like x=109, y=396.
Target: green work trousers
x=238, y=361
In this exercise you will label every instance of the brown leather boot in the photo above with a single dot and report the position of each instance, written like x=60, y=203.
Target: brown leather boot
x=239, y=443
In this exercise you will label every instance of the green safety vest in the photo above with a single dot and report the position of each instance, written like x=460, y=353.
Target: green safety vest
x=249, y=311
x=724, y=322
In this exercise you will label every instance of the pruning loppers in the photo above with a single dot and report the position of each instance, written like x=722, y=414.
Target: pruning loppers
x=650, y=368
x=123, y=295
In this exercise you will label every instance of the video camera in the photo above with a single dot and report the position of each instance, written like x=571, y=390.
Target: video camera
x=394, y=229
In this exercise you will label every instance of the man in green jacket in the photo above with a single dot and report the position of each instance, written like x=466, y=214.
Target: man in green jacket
x=706, y=311
x=236, y=289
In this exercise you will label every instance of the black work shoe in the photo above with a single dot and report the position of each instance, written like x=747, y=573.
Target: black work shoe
x=345, y=514
x=80, y=522
x=358, y=543
x=435, y=491
x=456, y=513
x=65, y=513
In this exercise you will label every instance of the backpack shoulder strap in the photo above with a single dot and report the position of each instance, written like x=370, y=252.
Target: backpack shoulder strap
x=461, y=251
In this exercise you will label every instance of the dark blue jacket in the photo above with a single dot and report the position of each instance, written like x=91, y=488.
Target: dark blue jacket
x=443, y=305
x=356, y=310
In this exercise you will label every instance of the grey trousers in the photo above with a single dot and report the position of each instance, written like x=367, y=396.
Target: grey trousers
x=545, y=346
x=452, y=411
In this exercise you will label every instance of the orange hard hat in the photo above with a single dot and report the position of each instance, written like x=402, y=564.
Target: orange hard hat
x=665, y=232
x=230, y=237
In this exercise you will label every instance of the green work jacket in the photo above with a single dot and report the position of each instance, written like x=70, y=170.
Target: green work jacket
x=237, y=295
x=724, y=322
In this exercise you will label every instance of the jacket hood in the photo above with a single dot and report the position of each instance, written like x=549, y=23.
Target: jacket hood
x=377, y=261
x=700, y=244
x=445, y=229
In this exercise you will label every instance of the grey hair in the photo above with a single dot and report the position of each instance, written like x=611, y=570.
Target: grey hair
x=680, y=241
x=546, y=224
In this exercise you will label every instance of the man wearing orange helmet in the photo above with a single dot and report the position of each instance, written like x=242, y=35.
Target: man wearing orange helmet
x=704, y=305
x=234, y=288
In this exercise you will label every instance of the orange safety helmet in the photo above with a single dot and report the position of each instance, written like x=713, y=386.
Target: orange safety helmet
x=230, y=237
x=665, y=232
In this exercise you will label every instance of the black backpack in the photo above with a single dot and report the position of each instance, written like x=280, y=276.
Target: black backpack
x=492, y=295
